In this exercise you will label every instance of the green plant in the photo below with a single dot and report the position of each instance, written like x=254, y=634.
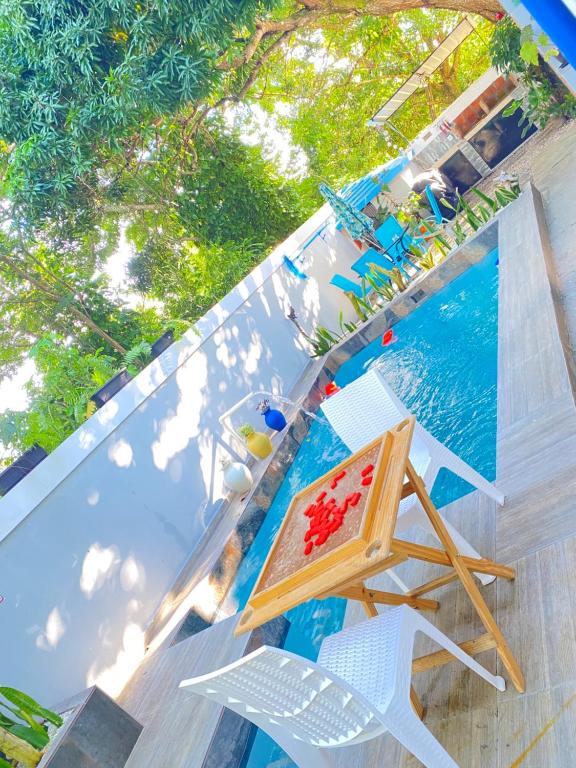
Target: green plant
x=23, y=733
x=359, y=305
x=246, y=430
x=427, y=261
x=138, y=357
x=322, y=341
x=382, y=287
x=346, y=326
x=516, y=51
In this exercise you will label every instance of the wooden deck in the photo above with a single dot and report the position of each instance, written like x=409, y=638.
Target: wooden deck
x=535, y=531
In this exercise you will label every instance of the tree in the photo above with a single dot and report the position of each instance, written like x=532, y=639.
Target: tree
x=88, y=82
x=59, y=396
x=333, y=80
x=43, y=290
x=82, y=79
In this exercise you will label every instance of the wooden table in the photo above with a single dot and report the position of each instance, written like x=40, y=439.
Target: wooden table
x=339, y=531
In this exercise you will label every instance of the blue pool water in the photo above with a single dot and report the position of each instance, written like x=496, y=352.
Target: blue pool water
x=443, y=367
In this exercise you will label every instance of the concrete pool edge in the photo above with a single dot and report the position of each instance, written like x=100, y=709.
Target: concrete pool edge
x=422, y=288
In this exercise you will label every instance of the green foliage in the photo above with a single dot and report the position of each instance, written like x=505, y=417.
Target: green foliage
x=58, y=396
x=516, y=51
x=85, y=81
x=336, y=76
x=22, y=717
x=322, y=341
x=138, y=357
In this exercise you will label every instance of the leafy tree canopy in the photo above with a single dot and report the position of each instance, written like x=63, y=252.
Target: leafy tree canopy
x=58, y=395
x=81, y=79
x=334, y=78
x=87, y=81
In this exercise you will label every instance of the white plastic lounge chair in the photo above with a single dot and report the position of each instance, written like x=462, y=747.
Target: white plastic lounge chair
x=359, y=689
x=362, y=411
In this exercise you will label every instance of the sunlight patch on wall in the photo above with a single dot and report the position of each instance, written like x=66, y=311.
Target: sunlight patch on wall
x=132, y=574
x=54, y=631
x=121, y=454
x=176, y=431
x=99, y=564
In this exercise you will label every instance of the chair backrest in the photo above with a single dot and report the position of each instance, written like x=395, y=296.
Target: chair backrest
x=275, y=686
x=433, y=204
x=389, y=231
x=363, y=410
x=348, y=285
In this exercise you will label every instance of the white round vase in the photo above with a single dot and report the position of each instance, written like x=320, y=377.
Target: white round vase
x=237, y=476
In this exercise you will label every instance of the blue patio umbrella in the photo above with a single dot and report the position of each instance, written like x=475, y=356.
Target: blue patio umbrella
x=358, y=225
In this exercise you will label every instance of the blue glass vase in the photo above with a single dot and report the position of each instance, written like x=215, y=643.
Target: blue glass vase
x=274, y=419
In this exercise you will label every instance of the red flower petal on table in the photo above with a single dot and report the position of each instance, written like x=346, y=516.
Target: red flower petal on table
x=368, y=469
x=366, y=481
x=308, y=548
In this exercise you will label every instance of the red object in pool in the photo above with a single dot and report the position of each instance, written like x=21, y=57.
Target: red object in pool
x=331, y=389
x=388, y=337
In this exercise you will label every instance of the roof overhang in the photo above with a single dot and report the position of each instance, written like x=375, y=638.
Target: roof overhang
x=427, y=68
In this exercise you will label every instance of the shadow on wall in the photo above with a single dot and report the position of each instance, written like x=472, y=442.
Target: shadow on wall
x=85, y=571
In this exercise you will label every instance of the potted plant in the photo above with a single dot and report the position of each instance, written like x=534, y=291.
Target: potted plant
x=23, y=728
x=257, y=443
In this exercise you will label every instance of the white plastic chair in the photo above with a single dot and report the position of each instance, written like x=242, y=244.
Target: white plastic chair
x=367, y=407
x=359, y=689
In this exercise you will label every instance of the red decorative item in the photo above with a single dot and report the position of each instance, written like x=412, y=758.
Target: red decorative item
x=388, y=337
x=499, y=16
x=327, y=514
x=331, y=389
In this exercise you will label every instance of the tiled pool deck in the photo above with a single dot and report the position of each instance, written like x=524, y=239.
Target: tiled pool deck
x=535, y=531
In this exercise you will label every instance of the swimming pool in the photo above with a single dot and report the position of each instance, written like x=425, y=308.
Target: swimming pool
x=443, y=366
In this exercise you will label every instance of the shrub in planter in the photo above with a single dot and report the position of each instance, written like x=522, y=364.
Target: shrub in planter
x=112, y=386
x=23, y=729
x=12, y=475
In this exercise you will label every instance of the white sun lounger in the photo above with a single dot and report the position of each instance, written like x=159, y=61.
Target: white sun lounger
x=359, y=689
x=364, y=410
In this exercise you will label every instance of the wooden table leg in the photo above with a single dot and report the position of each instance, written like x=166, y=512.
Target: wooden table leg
x=417, y=704
x=368, y=596
x=468, y=582
x=370, y=608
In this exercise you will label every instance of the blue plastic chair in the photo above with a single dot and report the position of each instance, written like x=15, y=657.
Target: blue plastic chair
x=434, y=205
x=394, y=239
x=371, y=256
x=347, y=285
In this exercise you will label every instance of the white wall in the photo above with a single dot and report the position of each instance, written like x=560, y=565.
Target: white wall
x=92, y=539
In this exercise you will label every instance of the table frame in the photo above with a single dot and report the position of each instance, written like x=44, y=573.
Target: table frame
x=344, y=572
